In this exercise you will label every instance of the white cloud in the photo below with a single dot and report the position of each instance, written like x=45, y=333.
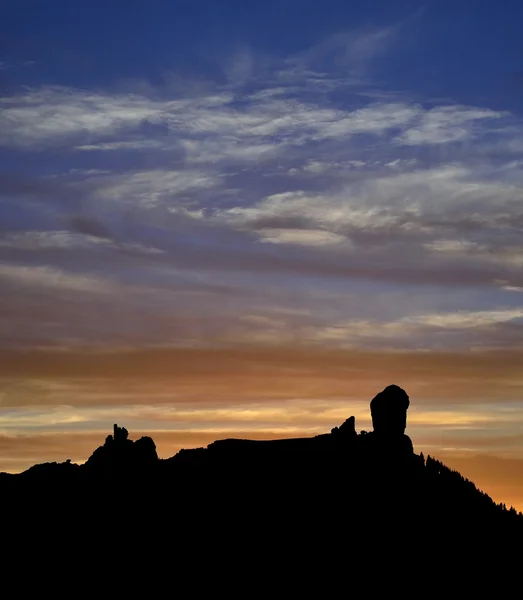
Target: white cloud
x=153, y=186
x=414, y=331
x=398, y=163
x=353, y=51
x=366, y=46
x=316, y=167
x=313, y=168
x=454, y=246
x=231, y=149
x=41, y=240
x=333, y=211
x=51, y=114
x=89, y=172
x=302, y=237
x=51, y=277
x=494, y=252
x=375, y=119
x=467, y=319
x=358, y=330
x=123, y=145
x=445, y=124
x=434, y=208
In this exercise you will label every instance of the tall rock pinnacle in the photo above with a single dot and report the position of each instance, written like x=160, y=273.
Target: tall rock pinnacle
x=389, y=411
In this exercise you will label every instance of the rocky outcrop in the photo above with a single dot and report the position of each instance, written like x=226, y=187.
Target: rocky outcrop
x=386, y=443
x=334, y=497
x=145, y=450
x=389, y=421
x=122, y=454
x=120, y=434
x=347, y=429
x=389, y=411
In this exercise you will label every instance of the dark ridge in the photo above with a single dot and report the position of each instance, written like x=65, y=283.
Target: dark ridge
x=363, y=503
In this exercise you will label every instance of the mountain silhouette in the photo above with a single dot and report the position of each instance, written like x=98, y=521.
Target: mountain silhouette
x=357, y=502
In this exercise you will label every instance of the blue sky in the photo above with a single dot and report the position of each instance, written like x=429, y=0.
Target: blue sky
x=469, y=51
x=329, y=175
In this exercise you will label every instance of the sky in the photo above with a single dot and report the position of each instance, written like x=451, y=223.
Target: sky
x=245, y=219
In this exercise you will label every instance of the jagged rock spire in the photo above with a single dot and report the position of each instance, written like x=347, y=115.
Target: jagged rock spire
x=120, y=434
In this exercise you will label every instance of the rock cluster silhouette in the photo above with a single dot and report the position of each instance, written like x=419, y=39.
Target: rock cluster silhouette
x=120, y=454
x=307, y=500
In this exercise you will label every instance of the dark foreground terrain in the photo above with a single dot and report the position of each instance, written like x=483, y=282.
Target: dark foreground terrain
x=361, y=511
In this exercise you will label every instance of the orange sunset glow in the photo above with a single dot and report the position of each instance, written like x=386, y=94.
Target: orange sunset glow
x=464, y=406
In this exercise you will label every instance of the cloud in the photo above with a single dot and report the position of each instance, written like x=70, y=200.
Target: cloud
x=41, y=240
x=310, y=237
x=123, y=145
x=353, y=51
x=445, y=124
x=220, y=202
x=466, y=319
x=253, y=374
x=150, y=187
x=429, y=331
x=89, y=226
x=374, y=119
x=219, y=124
x=51, y=115
x=232, y=150
x=454, y=246
x=405, y=220
x=48, y=277
x=364, y=47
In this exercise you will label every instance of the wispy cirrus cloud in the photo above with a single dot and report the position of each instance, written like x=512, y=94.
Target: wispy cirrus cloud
x=445, y=124
x=49, y=277
x=52, y=115
x=353, y=50
x=253, y=374
x=284, y=174
x=122, y=145
x=60, y=116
